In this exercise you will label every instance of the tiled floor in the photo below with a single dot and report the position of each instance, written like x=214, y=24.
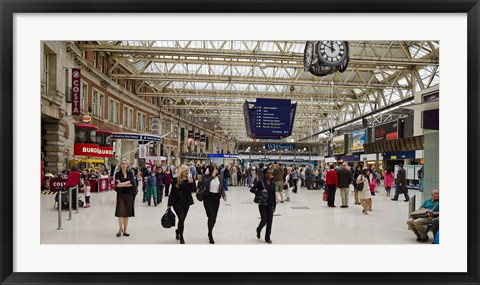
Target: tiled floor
x=304, y=220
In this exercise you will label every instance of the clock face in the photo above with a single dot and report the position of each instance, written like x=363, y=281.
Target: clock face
x=332, y=53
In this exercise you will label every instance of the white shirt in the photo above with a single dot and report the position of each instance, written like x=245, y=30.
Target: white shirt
x=214, y=185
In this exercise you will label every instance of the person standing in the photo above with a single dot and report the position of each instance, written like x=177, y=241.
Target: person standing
x=145, y=174
x=365, y=195
x=295, y=179
x=266, y=211
x=331, y=181
x=289, y=183
x=124, y=207
x=420, y=178
x=401, y=184
x=344, y=180
x=73, y=180
x=278, y=182
x=233, y=172
x=160, y=177
x=226, y=176
x=168, y=181
x=388, y=180
x=358, y=172
x=181, y=198
x=214, y=191
x=239, y=176
x=249, y=176
x=152, y=188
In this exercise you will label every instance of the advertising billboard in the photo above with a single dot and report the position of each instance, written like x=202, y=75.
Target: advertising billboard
x=338, y=145
x=359, y=138
x=387, y=131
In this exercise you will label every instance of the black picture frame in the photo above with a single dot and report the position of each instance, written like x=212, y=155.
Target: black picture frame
x=9, y=8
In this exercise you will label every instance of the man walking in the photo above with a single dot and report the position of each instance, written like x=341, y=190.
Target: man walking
x=401, y=184
x=278, y=181
x=344, y=179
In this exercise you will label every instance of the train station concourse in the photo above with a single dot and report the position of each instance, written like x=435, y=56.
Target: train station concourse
x=323, y=142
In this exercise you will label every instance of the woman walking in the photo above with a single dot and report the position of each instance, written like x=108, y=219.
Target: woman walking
x=388, y=180
x=214, y=189
x=124, y=187
x=181, y=198
x=265, y=186
x=365, y=195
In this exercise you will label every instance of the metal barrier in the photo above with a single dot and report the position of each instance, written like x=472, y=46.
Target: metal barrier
x=59, y=205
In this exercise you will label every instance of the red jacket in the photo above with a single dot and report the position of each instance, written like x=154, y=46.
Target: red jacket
x=331, y=178
x=73, y=179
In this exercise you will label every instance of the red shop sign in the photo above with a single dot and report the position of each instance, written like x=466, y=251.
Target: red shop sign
x=106, y=151
x=86, y=149
x=75, y=91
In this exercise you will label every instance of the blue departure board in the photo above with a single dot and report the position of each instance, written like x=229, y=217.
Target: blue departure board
x=269, y=118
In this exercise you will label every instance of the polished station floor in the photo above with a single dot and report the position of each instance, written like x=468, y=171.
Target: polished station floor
x=304, y=220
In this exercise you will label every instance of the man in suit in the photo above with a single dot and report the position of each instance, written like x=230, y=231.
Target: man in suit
x=344, y=177
x=401, y=184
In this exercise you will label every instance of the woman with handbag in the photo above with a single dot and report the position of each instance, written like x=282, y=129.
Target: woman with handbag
x=363, y=183
x=214, y=190
x=265, y=188
x=124, y=187
x=181, y=198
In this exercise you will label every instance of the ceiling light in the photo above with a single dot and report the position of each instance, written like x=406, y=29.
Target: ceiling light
x=263, y=65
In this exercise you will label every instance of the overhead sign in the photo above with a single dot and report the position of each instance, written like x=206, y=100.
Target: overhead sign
x=280, y=146
x=359, y=138
x=138, y=137
x=220, y=155
x=75, y=91
x=269, y=118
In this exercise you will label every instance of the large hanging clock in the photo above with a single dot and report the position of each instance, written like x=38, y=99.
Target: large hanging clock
x=319, y=69
x=309, y=56
x=332, y=53
x=343, y=66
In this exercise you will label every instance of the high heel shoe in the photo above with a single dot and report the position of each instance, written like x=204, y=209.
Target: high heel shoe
x=268, y=241
x=125, y=234
x=210, y=239
x=119, y=233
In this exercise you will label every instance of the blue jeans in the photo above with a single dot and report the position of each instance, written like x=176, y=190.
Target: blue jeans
x=249, y=181
x=225, y=183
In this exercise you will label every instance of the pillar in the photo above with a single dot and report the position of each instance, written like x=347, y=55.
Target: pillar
x=432, y=163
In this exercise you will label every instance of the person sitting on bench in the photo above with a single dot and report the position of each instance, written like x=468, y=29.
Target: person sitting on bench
x=418, y=225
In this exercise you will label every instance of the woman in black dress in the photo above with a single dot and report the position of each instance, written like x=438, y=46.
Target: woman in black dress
x=124, y=184
x=181, y=199
x=266, y=211
x=214, y=190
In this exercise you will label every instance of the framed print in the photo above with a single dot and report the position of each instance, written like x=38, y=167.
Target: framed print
x=95, y=40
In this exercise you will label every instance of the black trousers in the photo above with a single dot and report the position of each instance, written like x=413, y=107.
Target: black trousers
x=167, y=189
x=181, y=213
x=211, y=203
x=266, y=214
x=401, y=189
x=295, y=185
x=159, y=193
x=331, y=194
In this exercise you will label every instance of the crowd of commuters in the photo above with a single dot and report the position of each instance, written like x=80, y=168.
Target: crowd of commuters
x=275, y=180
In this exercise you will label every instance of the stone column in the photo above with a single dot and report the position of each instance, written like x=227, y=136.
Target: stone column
x=54, y=147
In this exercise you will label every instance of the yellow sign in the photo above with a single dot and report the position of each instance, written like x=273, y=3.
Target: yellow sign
x=393, y=157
